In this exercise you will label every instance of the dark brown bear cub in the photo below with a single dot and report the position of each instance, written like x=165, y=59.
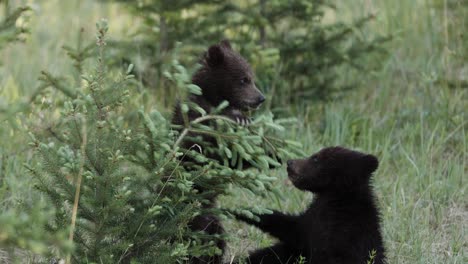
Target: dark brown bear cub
x=341, y=225
x=224, y=76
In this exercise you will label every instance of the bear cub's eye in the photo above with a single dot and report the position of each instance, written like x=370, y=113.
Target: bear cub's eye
x=245, y=80
x=315, y=159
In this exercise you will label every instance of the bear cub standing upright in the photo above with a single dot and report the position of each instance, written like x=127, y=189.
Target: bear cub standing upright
x=342, y=224
x=224, y=76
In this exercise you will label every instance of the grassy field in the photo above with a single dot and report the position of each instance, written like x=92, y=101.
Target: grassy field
x=407, y=114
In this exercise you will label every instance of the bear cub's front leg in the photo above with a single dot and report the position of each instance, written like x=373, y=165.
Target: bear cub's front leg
x=283, y=227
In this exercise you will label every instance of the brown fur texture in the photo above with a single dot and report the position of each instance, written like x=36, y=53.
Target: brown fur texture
x=342, y=225
x=224, y=76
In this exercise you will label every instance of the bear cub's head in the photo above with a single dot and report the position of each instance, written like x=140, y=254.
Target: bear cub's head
x=332, y=169
x=226, y=75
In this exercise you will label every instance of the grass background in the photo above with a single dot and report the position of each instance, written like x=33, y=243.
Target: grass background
x=406, y=114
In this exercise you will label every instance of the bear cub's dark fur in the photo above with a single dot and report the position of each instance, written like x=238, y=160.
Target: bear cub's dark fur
x=341, y=225
x=224, y=76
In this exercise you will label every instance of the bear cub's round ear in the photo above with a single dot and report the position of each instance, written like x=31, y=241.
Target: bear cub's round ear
x=371, y=163
x=225, y=43
x=215, y=56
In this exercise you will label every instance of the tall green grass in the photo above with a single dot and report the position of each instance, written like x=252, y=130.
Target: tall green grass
x=414, y=122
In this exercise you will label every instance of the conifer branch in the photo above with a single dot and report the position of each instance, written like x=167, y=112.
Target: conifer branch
x=197, y=121
x=135, y=194
x=78, y=183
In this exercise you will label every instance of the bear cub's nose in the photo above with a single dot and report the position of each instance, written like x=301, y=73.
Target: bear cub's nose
x=290, y=162
x=261, y=99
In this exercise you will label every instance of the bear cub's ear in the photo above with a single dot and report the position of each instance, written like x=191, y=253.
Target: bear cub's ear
x=215, y=56
x=370, y=162
x=225, y=43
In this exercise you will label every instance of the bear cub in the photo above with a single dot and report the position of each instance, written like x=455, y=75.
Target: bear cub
x=224, y=76
x=342, y=224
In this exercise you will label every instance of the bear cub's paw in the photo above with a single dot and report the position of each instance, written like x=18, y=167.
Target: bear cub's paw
x=239, y=117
